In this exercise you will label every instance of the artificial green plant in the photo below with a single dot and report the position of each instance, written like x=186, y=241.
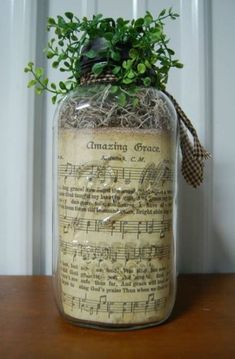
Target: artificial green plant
x=147, y=63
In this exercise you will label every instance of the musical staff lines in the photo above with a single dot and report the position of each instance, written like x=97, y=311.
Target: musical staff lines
x=115, y=173
x=114, y=253
x=103, y=305
x=122, y=227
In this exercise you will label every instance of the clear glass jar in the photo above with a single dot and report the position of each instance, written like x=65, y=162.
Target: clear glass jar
x=114, y=221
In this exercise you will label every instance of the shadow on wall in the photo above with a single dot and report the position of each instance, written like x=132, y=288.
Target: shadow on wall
x=201, y=249
x=192, y=241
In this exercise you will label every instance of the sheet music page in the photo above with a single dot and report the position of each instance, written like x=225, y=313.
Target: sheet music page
x=115, y=223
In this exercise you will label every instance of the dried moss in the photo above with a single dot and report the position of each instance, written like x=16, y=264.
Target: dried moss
x=87, y=108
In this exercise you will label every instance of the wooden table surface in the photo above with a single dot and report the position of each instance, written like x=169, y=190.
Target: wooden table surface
x=201, y=326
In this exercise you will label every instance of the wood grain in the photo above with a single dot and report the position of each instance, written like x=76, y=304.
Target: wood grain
x=202, y=324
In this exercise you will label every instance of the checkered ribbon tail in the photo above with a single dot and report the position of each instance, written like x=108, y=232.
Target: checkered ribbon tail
x=193, y=154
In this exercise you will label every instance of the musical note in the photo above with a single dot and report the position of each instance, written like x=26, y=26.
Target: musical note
x=73, y=302
x=126, y=308
x=103, y=305
x=88, y=224
x=127, y=176
x=149, y=225
x=149, y=303
x=64, y=246
x=75, y=253
x=152, y=172
x=69, y=168
x=139, y=229
x=65, y=208
x=66, y=228
x=97, y=225
x=123, y=227
x=114, y=252
x=112, y=227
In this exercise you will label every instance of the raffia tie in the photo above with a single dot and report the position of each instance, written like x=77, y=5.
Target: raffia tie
x=193, y=153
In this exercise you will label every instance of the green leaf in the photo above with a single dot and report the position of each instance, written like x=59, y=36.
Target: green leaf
x=50, y=54
x=53, y=86
x=31, y=83
x=133, y=53
x=66, y=64
x=38, y=90
x=62, y=85
x=147, y=64
x=26, y=69
x=98, y=68
x=127, y=81
x=61, y=22
x=156, y=34
x=148, y=19
x=153, y=59
x=114, y=89
x=45, y=82
x=63, y=56
x=55, y=64
x=53, y=99
x=120, y=21
x=116, y=70
x=141, y=68
x=139, y=22
x=171, y=52
x=108, y=36
x=97, y=17
x=135, y=102
x=124, y=64
x=131, y=74
x=115, y=56
x=127, y=64
x=147, y=81
x=74, y=38
x=69, y=84
x=91, y=54
x=51, y=21
x=162, y=13
x=72, y=49
x=69, y=15
x=61, y=43
x=30, y=65
x=39, y=72
x=122, y=99
x=179, y=65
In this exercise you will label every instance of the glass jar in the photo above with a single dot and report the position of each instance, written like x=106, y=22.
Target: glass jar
x=114, y=221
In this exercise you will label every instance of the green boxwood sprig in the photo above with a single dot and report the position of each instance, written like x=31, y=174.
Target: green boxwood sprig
x=148, y=62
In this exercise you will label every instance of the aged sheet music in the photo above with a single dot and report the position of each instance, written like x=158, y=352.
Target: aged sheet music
x=115, y=224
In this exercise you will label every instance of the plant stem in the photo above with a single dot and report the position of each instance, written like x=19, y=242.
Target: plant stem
x=42, y=84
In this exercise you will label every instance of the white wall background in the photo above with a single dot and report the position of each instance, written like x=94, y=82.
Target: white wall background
x=203, y=38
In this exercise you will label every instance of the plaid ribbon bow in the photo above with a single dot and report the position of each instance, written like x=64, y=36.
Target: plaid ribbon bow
x=193, y=154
